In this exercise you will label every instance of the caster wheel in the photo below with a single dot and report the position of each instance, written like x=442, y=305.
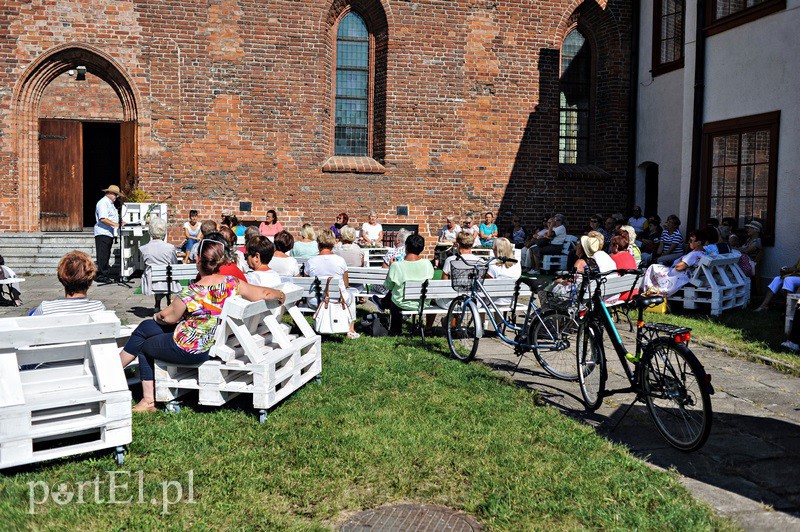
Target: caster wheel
x=119, y=455
x=262, y=416
x=173, y=407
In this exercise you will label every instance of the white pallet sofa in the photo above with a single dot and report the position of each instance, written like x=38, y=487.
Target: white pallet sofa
x=71, y=397
x=559, y=261
x=253, y=354
x=718, y=282
x=373, y=257
x=172, y=272
x=423, y=292
x=792, y=301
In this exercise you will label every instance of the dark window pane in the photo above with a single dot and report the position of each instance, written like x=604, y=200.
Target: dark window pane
x=729, y=7
x=352, y=87
x=746, y=180
x=575, y=87
x=352, y=83
x=762, y=147
x=761, y=180
x=732, y=150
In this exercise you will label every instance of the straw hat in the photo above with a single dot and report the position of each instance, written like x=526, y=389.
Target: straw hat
x=755, y=225
x=591, y=244
x=114, y=189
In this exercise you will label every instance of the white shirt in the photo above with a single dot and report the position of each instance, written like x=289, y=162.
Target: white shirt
x=637, y=223
x=105, y=209
x=499, y=271
x=604, y=262
x=327, y=266
x=450, y=234
x=268, y=279
x=559, y=236
x=285, y=266
x=371, y=232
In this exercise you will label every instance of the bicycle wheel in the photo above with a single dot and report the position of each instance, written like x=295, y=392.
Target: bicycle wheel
x=462, y=329
x=674, y=387
x=591, y=367
x=552, y=337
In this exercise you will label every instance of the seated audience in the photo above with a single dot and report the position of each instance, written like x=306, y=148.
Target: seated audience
x=326, y=264
x=553, y=242
x=306, y=245
x=752, y=246
x=76, y=271
x=727, y=228
x=637, y=221
x=619, y=249
x=448, y=233
x=412, y=268
x=500, y=270
x=589, y=249
x=207, y=227
x=281, y=262
x=341, y=221
x=529, y=250
x=464, y=244
x=184, y=331
x=788, y=280
x=351, y=252
x=157, y=252
x=633, y=249
x=260, y=253
x=250, y=232
x=487, y=231
x=398, y=252
x=270, y=226
x=594, y=224
x=372, y=231
x=229, y=267
x=8, y=273
x=518, y=235
x=671, y=242
x=191, y=231
x=666, y=280
x=237, y=257
x=471, y=228
x=237, y=226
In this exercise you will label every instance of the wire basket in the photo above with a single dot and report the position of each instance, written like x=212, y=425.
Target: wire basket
x=463, y=274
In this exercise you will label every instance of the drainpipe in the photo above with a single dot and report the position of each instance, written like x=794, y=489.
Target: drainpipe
x=633, y=99
x=697, y=118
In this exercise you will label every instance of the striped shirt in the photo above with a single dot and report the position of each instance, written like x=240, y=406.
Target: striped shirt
x=77, y=305
x=672, y=238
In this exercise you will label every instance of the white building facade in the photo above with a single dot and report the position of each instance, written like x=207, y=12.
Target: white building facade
x=718, y=116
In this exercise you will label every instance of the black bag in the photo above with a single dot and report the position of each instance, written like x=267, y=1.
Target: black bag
x=372, y=325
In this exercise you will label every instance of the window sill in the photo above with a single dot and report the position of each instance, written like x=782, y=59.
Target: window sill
x=353, y=165
x=743, y=17
x=582, y=171
x=657, y=70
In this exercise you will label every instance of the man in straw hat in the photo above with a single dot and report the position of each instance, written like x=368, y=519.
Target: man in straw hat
x=107, y=220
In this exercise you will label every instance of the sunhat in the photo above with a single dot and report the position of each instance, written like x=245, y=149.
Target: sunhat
x=591, y=244
x=114, y=189
x=755, y=225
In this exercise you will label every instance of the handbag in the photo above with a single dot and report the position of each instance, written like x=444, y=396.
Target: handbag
x=332, y=317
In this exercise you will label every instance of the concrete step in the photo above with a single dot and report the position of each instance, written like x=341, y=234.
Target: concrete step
x=40, y=253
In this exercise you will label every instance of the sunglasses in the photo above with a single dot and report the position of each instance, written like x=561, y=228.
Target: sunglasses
x=207, y=241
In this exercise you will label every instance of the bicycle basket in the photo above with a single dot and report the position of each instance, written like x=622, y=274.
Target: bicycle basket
x=463, y=274
x=549, y=299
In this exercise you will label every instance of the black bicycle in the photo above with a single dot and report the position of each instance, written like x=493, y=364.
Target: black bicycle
x=663, y=373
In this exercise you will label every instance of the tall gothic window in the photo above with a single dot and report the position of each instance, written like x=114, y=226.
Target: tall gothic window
x=353, y=92
x=575, y=87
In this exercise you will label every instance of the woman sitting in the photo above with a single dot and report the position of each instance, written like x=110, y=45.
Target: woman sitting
x=76, y=271
x=620, y=252
x=347, y=249
x=236, y=259
x=184, y=332
x=788, y=279
x=250, y=232
x=341, y=221
x=398, y=252
x=633, y=248
x=590, y=247
x=281, y=262
x=372, y=231
x=499, y=270
x=260, y=252
x=305, y=246
x=464, y=244
x=488, y=230
x=270, y=226
x=666, y=280
x=326, y=264
x=157, y=252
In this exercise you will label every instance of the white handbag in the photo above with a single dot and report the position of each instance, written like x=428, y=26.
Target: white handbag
x=332, y=317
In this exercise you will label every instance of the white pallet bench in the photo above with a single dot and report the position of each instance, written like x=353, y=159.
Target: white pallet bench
x=253, y=354
x=363, y=277
x=442, y=290
x=718, y=282
x=792, y=301
x=312, y=287
x=71, y=397
x=373, y=257
x=168, y=273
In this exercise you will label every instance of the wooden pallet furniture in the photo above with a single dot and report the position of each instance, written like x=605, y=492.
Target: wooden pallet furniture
x=373, y=257
x=792, y=300
x=559, y=261
x=313, y=288
x=172, y=272
x=62, y=388
x=253, y=354
x=364, y=278
x=718, y=282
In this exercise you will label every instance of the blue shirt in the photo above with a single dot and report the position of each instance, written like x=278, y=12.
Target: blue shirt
x=487, y=230
x=105, y=209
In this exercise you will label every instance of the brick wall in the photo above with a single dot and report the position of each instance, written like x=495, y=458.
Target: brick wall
x=234, y=103
x=90, y=99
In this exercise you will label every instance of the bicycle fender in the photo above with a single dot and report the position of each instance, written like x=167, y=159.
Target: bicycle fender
x=479, y=321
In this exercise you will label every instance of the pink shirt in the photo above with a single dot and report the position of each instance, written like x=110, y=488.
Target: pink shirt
x=270, y=230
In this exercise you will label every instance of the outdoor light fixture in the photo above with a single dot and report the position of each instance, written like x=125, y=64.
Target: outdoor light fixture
x=81, y=73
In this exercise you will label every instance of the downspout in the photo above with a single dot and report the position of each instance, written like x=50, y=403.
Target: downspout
x=633, y=99
x=698, y=115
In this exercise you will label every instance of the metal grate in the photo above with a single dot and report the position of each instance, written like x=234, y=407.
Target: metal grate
x=408, y=517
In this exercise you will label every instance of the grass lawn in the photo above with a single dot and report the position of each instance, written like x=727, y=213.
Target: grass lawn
x=389, y=422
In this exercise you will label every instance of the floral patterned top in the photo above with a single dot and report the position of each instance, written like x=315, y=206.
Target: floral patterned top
x=195, y=333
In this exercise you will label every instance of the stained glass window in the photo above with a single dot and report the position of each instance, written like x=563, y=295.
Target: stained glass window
x=575, y=99
x=352, y=87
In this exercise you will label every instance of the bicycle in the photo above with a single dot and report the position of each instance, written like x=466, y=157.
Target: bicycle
x=666, y=375
x=549, y=334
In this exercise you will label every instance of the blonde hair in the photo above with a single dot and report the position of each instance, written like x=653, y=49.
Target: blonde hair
x=326, y=239
x=308, y=232
x=465, y=240
x=503, y=248
x=347, y=235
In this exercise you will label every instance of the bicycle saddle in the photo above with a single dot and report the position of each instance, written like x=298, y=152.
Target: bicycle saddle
x=640, y=301
x=533, y=283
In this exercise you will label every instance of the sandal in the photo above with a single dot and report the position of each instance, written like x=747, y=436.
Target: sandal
x=353, y=335
x=145, y=407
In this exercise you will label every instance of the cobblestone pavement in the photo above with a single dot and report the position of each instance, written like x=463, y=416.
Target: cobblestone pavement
x=748, y=469
x=750, y=466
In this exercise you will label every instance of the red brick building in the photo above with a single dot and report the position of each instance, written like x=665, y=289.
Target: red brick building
x=443, y=107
